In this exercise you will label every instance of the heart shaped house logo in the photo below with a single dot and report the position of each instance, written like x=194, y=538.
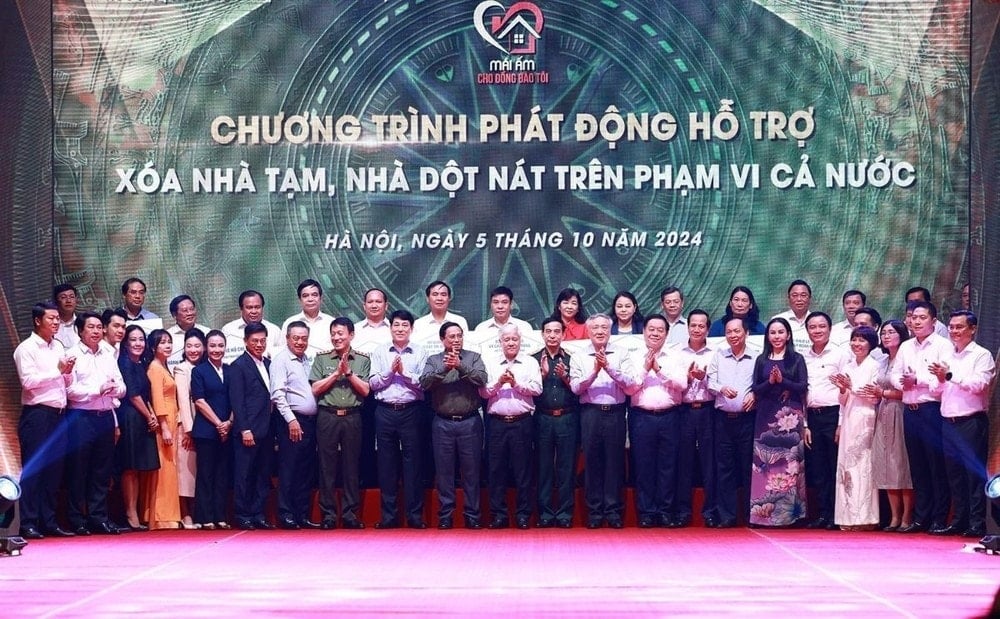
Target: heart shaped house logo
x=516, y=31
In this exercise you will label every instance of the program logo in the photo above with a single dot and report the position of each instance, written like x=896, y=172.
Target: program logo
x=515, y=32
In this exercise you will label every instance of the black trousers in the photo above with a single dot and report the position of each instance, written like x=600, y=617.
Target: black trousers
x=697, y=446
x=252, y=475
x=398, y=434
x=965, y=441
x=42, y=432
x=821, y=458
x=339, y=447
x=734, y=455
x=510, y=451
x=603, y=441
x=557, y=441
x=655, y=442
x=464, y=440
x=213, y=479
x=296, y=470
x=924, y=448
x=91, y=463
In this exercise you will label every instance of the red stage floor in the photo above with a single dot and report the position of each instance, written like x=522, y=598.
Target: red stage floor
x=687, y=572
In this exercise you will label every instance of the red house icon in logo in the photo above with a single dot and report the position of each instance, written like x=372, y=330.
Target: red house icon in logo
x=519, y=27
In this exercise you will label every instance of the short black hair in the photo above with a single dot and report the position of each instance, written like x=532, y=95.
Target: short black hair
x=855, y=293
x=823, y=315
x=342, y=321
x=305, y=284
x=132, y=280
x=447, y=325
x=253, y=328
x=435, y=284
x=799, y=282
x=175, y=303
x=401, y=314
x=247, y=294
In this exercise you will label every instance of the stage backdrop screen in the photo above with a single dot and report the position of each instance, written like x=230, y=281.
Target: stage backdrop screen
x=208, y=147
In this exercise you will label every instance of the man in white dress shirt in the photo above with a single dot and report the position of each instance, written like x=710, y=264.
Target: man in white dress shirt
x=426, y=328
x=697, y=422
x=371, y=332
x=501, y=304
x=823, y=361
x=672, y=304
x=45, y=370
x=310, y=295
x=922, y=422
x=512, y=382
x=654, y=421
x=602, y=376
x=840, y=333
x=251, y=304
x=919, y=293
x=964, y=379
x=66, y=298
x=799, y=298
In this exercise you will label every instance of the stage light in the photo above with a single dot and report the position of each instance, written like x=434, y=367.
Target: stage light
x=11, y=542
x=991, y=543
x=992, y=491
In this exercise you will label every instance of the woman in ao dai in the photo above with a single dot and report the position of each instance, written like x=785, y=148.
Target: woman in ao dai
x=856, y=504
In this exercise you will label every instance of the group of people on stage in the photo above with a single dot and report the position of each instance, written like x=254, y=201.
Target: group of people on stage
x=847, y=409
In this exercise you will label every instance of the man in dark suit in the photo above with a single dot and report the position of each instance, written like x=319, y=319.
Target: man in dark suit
x=250, y=399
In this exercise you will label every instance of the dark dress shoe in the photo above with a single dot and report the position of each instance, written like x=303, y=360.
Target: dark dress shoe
x=727, y=524
x=615, y=522
x=819, y=523
x=913, y=527
x=387, y=524
x=31, y=533
x=522, y=523
x=353, y=523
x=81, y=531
x=564, y=523
x=416, y=523
x=446, y=523
x=288, y=524
x=831, y=526
x=594, y=523
x=309, y=524
x=104, y=528
x=264, y=525
x=329, y=525
x=949, y=530
x=473, y=523
x=245, y=525
x=545, y=523
x=976, y=532
x=499, y=522
x=646, y=522
x=711, y=523
x=890, y=529
x=58, y=532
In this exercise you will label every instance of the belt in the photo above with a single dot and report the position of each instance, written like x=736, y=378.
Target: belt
x=511, y=418
x=398, y=407
x=93, y=412
x=701, y=404
x=46, y=408
x=458, y=417
x=555, y=412
x=964, y=417
x=654, y=411
x=822, y=409
x=607, y=408
x=734, y=415
x=916, y=407
x=341, y=412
